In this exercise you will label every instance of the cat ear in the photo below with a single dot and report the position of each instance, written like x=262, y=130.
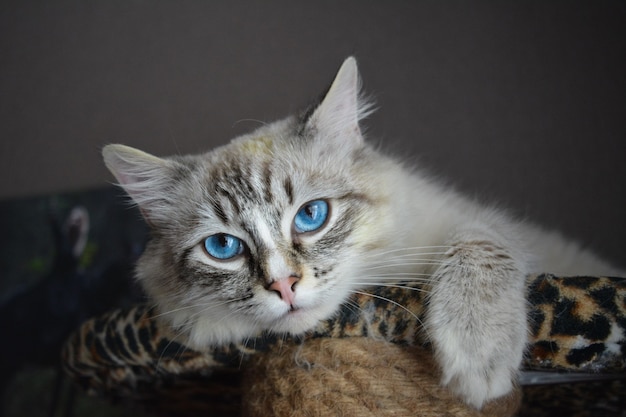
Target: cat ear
x=338, y=114
x=146, y=178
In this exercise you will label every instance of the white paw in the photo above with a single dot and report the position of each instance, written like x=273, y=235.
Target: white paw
x=479, y=362
x=476, y=317
x=478, y=383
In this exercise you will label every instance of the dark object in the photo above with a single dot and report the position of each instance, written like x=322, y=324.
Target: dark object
x=36, y=320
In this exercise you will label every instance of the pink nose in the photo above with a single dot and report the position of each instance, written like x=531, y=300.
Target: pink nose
x=285, y=288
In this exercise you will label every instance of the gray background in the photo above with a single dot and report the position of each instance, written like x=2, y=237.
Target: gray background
x=518, y=102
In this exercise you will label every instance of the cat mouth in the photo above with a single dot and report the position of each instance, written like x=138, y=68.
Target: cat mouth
x=293, y=309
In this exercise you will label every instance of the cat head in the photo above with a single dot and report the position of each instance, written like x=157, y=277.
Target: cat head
x=267, y=232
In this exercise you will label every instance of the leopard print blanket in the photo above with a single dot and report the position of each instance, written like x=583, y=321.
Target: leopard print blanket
x=577, y=324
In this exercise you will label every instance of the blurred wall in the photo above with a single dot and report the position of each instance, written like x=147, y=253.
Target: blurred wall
x=519, y=102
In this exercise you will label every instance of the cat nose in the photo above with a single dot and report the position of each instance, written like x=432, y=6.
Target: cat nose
x=285, y=288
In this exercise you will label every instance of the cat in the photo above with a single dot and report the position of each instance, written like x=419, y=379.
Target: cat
x=276, y=229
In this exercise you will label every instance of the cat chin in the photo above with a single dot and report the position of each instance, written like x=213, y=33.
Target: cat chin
x=209, y=332
x=300, y=321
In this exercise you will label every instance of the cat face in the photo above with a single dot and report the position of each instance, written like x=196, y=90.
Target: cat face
x=265, y=233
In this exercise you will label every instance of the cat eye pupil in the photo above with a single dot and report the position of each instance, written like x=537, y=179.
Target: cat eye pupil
x=223, y=246
x=223, y=241
x=311, y=216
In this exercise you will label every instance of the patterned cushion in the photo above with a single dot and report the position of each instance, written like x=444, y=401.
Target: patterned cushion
x=578, y=324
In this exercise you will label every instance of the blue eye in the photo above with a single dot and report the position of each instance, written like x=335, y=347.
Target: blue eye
x=222, y=246
x=311, y=216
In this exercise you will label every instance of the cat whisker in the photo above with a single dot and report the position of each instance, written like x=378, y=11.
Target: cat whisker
x=425, y=261
x=206, y=306
x=422, y=327
x=231, y=313
x=402, y=274
x=393, y=265
x=180, y=331
x=408, y=261
x=398, y=277
x=376, y=282
x=380, y=297
x=250, y=338
x=176, y=310
x=416, y=250
x=400, y=286
x=246, y=342
x=412, y=248
x=353, y=306
x=426, y=257
x=418, y=253
x=261, y=122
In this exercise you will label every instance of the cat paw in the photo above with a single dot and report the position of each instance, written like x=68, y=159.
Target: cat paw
x=479, y=352
x=477, y=383
x=476, y=319
x=479, y=357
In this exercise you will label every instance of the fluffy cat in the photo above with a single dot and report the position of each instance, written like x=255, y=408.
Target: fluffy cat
x=276, y=229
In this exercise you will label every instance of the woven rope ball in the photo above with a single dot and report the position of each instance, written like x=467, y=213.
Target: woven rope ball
x=357, y=377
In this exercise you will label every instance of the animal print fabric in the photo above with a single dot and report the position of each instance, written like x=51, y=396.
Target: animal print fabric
x=576, y=323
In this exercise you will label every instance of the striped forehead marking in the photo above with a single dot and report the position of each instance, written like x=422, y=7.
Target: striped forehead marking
x=275, y=263
x=263, y=231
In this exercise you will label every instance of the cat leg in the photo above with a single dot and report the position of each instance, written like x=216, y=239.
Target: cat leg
x=476, y=316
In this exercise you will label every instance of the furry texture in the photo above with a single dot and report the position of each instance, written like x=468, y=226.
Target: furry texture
x=385, y=222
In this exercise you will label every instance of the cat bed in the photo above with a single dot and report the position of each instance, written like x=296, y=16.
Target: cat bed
x=369, y=360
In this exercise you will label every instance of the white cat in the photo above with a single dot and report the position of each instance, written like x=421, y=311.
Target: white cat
x=275, y=230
